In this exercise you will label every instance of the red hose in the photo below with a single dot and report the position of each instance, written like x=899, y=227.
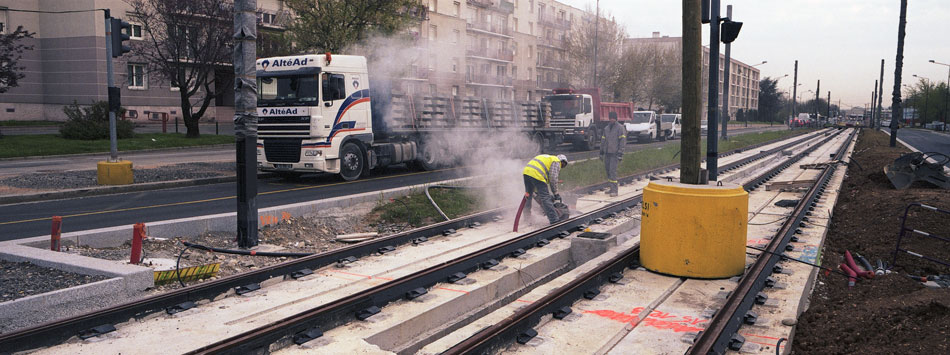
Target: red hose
x=853, y=266
x=853, y=276
x=518, y=215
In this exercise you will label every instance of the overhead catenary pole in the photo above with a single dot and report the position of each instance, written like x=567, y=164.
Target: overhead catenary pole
x=897, y=111
x=873, y=102
x=692, y=71
x=880, y=97
x=794, y=92
x=828, y=108
x=726, y=83
x=712, y=114
x=245, y=119
x=817, y=98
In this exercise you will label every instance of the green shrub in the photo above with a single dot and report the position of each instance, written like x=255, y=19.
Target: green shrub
x=92, y=122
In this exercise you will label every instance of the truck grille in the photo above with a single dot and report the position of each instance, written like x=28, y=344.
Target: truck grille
x=284, y=126
x=282, y=150
x=562, y=122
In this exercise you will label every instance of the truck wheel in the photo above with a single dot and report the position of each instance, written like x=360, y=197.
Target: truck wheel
x=351, y=162
x=537, y=145
x=427, y=159
x=589, y=142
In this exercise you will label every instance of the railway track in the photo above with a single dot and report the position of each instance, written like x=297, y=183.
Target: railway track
x=100, y=322
x=557, y=304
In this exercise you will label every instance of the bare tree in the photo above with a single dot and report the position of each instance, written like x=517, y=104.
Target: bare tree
x=332, y=25
x=188, y=43
x=651, y=77
x=11, y=50
x=580, y=50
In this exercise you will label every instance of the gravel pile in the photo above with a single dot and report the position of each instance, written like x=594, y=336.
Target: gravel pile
x=87, y=178
x=24, y=279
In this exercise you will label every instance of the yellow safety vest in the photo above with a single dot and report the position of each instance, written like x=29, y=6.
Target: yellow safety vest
x=540, y=167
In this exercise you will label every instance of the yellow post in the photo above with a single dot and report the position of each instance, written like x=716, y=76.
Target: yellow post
x=696, y=231
x=114, y=173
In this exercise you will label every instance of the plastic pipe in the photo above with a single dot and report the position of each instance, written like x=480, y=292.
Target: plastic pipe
x=853, y=276
x=854, y=267
x=55, y=233
x=138, y=233
x=520, y=208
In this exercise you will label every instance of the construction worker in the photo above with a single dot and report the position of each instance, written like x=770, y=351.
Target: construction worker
x=611, y=150
x=541, y=174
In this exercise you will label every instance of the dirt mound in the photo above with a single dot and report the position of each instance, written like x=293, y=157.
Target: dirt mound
x=893, y=313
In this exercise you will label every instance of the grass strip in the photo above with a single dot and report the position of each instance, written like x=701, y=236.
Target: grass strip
x=418, y=211
x=51, y=144
x=592, y=171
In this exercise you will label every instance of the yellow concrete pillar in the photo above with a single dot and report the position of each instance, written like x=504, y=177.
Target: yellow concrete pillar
x=114, y=173
x=696, y=231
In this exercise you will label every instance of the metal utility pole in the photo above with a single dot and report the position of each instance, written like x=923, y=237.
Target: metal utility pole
x=817, y=94
x=873, y=102
x=712, y=115
x=245, y=119
x=828, y=110
x=795, y=91
x=113, y=145
x=596, y=31
x=946, y=103
x=897, y=111
x=880, y=97
x=726, y=83
x=692, y=70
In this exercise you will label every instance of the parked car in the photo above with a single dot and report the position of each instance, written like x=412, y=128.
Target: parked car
x=670, y=122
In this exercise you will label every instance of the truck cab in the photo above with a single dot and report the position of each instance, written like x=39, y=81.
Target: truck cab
x=314, y=114
x=574, y=114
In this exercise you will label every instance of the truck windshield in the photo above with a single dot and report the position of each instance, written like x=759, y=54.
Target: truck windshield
x=641, y=117
x=564, y=106
x=667, y=118
x=287, y=90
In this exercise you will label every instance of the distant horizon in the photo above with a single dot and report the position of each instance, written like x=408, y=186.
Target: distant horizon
x=857, y=35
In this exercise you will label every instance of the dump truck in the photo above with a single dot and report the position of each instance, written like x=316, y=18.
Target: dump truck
x=582, y=115
x=327, y=114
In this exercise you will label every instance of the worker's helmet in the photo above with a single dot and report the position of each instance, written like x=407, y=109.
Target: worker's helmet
x=562, y=158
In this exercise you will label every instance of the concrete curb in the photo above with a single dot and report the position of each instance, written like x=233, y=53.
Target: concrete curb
x=39, y=157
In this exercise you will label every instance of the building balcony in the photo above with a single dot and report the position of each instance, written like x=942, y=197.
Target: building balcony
x=552, y=84
x=488, y=27
x=487, y=79
x=502, y=6
x=551, y=21
x=417, y=73
x=550, y=63
x=556, y=43
x=504, y=55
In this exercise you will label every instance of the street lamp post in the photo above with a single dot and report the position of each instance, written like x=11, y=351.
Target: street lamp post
x=923, y=117
x=946, y=103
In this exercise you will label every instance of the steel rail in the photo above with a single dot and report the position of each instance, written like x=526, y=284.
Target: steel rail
x=722, y=333
x=309, y=324
x=58, y=331
x=558, y=302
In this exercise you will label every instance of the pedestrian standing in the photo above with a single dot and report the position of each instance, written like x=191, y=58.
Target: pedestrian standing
x=611, y=150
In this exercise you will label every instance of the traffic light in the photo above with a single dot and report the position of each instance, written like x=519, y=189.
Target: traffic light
x=730, y=30
x=120, y=34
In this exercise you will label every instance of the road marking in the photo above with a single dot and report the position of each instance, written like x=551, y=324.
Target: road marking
x=219, y=198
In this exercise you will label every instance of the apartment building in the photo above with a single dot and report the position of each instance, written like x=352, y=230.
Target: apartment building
x=498, y=49
x=744, y=81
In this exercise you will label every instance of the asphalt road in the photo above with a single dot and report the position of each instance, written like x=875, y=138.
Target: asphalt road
x=926, y=140
x=33, y=219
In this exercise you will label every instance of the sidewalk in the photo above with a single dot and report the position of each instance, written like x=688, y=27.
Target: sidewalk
x=140, y=159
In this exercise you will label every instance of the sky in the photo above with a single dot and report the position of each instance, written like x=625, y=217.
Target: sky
x=840, y=42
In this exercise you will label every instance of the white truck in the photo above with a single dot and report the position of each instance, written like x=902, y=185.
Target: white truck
x=670, y=124
x=323, y=113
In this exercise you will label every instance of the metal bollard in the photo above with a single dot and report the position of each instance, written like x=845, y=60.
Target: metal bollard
x=55, y=233
x=215, y=127
x=138, y=233
x=165, y=124
x=176, y=124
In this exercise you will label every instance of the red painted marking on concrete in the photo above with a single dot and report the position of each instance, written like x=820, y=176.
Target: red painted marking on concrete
x=350, y=273
x=656, y=319
x=525, y=301
x=449, y=289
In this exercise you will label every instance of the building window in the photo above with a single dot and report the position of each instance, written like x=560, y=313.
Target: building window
x=457, y=8
x=433, y=32
x=456, y=36
x=515, y=23
x=433, y=5
x=514, y=72
x=3, y=20
x=135, y=32
x=455, y=90
x=455, y=65
x=136, y=76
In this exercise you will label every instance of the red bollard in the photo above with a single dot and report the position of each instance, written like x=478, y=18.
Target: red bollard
x=54, y=234
x=137, y=235
x=164, y=124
